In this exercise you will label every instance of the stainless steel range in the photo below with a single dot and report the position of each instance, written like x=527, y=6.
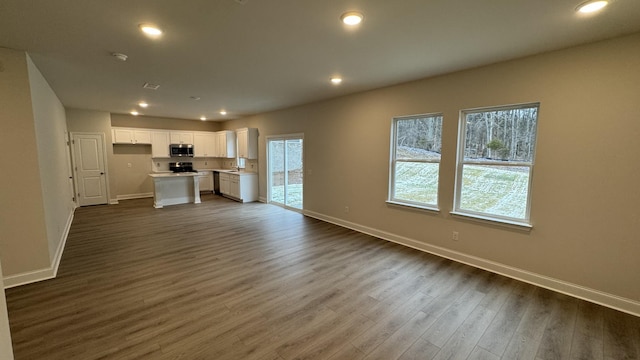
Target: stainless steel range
x=181, y=166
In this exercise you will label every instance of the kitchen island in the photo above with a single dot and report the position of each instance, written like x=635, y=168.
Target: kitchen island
x=175, y=188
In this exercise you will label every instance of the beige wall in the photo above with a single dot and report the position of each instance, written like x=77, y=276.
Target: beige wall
x=584, y=194
x=53, y=154
x=23, y=228
x=133, y=180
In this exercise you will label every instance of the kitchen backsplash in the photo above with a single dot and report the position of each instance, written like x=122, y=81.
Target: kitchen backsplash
x=209, y=163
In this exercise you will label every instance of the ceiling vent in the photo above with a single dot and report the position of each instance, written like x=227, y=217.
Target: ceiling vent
x=150, y=86
x=241, y=2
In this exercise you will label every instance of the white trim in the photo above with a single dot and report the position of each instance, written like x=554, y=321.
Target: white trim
x=262, y=199
x=578, y=291
x=113, y=202
x=492, y=220
x=46, y=273
x=412, y=206
x=134, y=196
x=63, y=241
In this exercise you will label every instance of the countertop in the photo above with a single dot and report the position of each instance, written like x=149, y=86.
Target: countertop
x=172, y=174
x=168, y=173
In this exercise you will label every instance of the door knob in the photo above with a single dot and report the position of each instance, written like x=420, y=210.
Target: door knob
x=101, y=173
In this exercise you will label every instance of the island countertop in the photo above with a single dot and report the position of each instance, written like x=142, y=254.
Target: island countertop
x=173, y=174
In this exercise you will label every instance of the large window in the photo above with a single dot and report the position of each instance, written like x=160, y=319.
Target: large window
x=495, y=162
x=415, y=160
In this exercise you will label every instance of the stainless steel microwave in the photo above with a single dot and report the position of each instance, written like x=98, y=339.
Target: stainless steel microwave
x=181, y=150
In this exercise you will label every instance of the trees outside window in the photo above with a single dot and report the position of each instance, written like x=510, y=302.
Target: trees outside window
x=495, y=162
x=415, y=160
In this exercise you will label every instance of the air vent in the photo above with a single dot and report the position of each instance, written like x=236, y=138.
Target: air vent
x=150, y=86
x=241, y=2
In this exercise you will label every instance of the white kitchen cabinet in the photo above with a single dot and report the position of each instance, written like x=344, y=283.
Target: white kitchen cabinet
x=204, y=144
x=181, y=137
x=160, y=144
x=247, y=143
x=226, y=144
x=242, y=187
x=224, y=183
x=206, y=181
x=130, y=136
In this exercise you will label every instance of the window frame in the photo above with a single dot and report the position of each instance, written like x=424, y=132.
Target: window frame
x=460, y=162
x=391, y=199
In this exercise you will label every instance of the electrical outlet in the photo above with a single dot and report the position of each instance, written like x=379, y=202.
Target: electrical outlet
x=346, y=209
x=205, y=163
x=252, y=166
x=128, y=165
x=455, y=236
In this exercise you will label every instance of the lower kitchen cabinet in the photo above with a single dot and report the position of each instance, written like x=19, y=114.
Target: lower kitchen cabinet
x=206, y=181
x=242, y=187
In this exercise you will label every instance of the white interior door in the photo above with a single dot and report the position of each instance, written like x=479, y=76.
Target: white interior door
x=88, y=154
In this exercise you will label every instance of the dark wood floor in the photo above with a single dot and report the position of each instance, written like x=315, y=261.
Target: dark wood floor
x=222, y=280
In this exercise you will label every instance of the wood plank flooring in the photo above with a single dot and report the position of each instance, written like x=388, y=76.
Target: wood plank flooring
x=223, y=280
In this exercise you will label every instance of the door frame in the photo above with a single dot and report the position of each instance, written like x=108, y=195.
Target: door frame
x=283, y=137
x=75, y=167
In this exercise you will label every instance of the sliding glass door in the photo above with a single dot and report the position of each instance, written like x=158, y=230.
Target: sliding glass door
x=285, y=183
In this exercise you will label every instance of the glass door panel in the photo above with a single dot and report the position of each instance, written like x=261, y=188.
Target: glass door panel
x=286, y=171
x=276, y=171
x=294, y=173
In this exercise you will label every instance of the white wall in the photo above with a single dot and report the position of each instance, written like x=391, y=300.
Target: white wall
x=584, y=193
x=51, y=126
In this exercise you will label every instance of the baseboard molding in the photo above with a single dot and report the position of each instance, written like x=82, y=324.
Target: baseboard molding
x=134, y=196
x=113, y=202
x=46, y=273
x=262, y=199
x=63, y=241
x=599, y=297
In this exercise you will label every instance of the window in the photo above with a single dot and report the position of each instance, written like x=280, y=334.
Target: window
x=495, y=162
x=416, y=143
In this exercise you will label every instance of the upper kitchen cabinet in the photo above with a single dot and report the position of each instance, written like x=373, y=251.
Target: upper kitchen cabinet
x=181, y=137
x=204, y=145
x=247, y=143
x=160, y=141
x=226, y=144
x=130, y=136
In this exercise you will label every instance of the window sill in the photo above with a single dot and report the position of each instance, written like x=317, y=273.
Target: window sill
x=424, y=208
x=493, y=221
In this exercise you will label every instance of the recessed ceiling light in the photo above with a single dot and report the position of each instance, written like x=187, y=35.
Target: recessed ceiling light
x=143, y=104
x=336, y=80
x=150, y=30
x=222, y=112
x=134, y=113
x=203, y=118
x=352, y=18
x=591, y=6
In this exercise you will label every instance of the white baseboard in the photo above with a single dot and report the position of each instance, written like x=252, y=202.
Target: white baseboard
x=581, y=292
x=262, y=199
x=46, y=273
x=134, y=196
x=113, y=202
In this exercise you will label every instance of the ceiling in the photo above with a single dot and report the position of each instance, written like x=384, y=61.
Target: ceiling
x=252, y=56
